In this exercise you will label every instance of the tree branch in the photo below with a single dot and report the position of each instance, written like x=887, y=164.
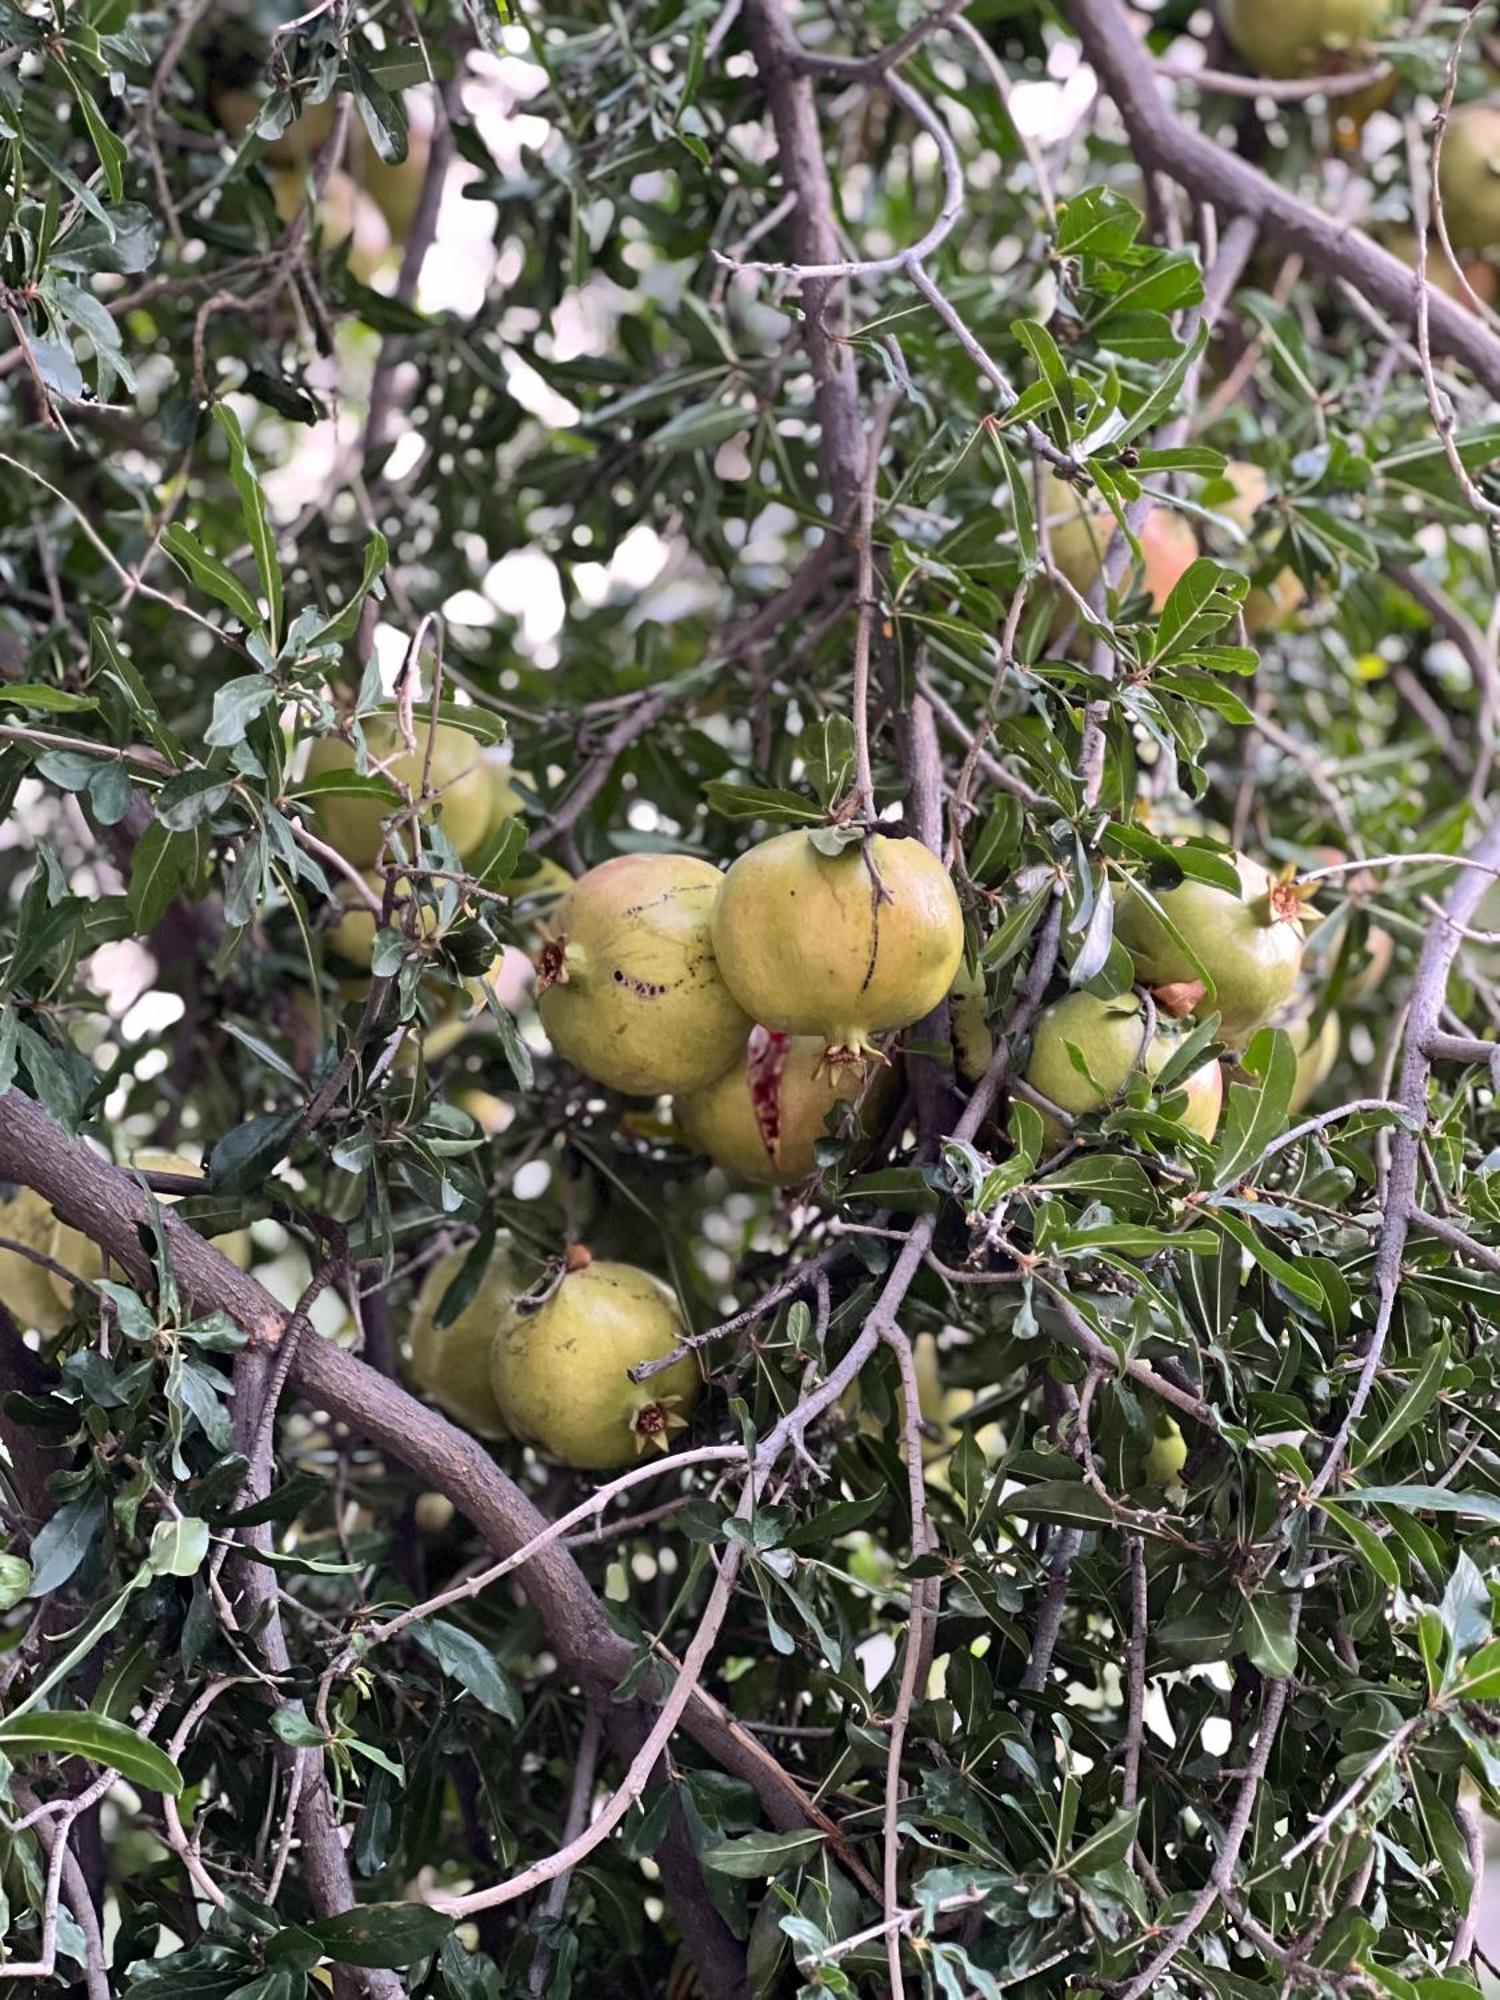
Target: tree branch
x=1160, y=139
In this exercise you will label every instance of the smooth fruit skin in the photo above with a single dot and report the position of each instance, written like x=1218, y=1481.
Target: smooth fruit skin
x=1110, y=1035
x=795, y=1090
x=1268, y=604
x=1167, y=1456
x=27, y=1290
x=1079, y=535
x=355, y=825
x=343, y=211
x=1316, y=1055
x=1301, y=37
x=969, y=1024
x=805, y=946
x=452, y=1363
x=81, y=1255
x=630, y=991
x=1469, y=179
x=1250, y=945
x=560, y=1378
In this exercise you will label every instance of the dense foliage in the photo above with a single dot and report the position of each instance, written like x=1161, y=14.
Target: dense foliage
x=1075, y=1573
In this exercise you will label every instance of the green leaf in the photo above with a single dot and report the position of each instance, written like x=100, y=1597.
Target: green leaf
x=1411, y=1409
x=236, y=705
x=178, y=1547
x=44, y=700
x=756, y=1856
x=1426, y=1500
x=1302, y=1283
x=1266, y=1633
x=83, y=1733
x=761, y=802
x=394, y=1935
x=471, y=1663
x=1065, y=1500
x=210, y=575
x=256, y=518
x=383, y=115
x=1256, y=1113
x=163, y=863
x=1104, y=1849
x=1377, y=1556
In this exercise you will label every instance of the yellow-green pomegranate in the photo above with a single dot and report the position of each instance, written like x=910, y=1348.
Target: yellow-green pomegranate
x=1302, y=37
x=1250, y=945
x=452, y=1363
x=1167, y=1455
x=1316, y=1054
x=840, y=946
x=1268, y=604
x=456, y=774
x=27, y=1290
x=82, y=1256
x=1469, y=179
x=969, y=1024
x=630, y=990
x=560, y=1373
x=1110, y=1035
x=762, y=1119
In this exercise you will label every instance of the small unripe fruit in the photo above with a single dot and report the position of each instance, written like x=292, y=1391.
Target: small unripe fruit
x=456, y=775
x=1302, y=37
x=1110, y=1035
x=1250, y=945
x=1268, y=604
x=1079, y=535
x=83, y=1257
x=1316, y=1055
x=969, y=1025
x=452, y=1363
x=1167, y=1456
x=560, y=1373
x=630, y=991
x=433, y=1513
x=28, y=1291
x=344, y=212
x=1469, y=179
x=762, y=1119
x=839, y=946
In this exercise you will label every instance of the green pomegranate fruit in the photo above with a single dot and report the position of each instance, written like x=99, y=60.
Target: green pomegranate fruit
x=1110, y=1035
x=82, y=1256
x=1268, y=604
x=27, y=1290
x=764, y=1116
x=630, y=991
x=1167, y=1456
x=1079, y=533
x=1316, y=1054
x=1302, y=37
x=560, y=1373
x=1469, y=179
x=840, y=946
x=969, y=1024
x=451, y=1363
x=355, y=826
x=1250, y=945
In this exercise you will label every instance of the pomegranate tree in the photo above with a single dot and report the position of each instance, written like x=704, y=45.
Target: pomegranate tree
x=1111, y=1038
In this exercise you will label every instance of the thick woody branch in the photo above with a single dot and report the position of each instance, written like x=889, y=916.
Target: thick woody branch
x=1159, y=139
x=107, y=1204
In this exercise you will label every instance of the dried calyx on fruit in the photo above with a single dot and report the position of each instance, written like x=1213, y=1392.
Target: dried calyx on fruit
x=1249, y=946
x=451, y=1362
x=840, y=945
x=630, y=991
x=762, y=1119
x=1110, y=1039
x=561, y=1374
